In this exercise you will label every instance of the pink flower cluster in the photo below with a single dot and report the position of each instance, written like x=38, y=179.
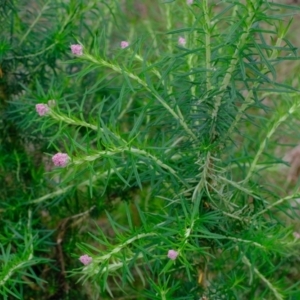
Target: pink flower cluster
x=189, y=2
x=85, y=259
x=181, y=41
x=42, y=109
x=77, y=49
x=172, y=254
x=60, y=159
x=124, y=44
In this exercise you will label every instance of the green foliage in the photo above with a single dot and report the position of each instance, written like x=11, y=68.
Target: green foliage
x=171, y=146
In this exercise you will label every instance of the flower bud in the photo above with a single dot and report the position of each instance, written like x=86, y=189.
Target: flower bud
x=85, y=259
x=172, y=254
x=77, y=49
x=60, y=159
x=181, y=41
x=42, y=109
x=124, y=44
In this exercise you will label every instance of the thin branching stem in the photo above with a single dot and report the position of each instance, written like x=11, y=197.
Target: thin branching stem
x=205, y=169
x=249, y=98
x=268, y=283
x=278, y=202
x=136, y=78
x=26, y=257
x=58, y=192
x=207, y=30
x=233, y=63
x=275, y=124
x=117, y=249
x=40, y=14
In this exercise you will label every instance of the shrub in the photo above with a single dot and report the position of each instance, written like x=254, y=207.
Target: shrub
x=137, y=146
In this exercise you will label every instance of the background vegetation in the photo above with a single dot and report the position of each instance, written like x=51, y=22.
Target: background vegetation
x=186, y=140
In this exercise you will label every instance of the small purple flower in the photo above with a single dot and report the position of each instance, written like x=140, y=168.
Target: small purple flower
x=42, y=109
x=85, y=259
x=124, y=44
x=60, y=159
x=172, y=254
x=76, y=49
x=181, y=41
x=189, y=2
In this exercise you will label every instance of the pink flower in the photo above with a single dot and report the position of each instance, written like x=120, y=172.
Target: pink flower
x=60, y=159
x=85, y=259
x=76, y=49
x=189, y=2
x=124, y=44
x=296, y=235
x=172, y=254
x=42, y=109
x=181, y=41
